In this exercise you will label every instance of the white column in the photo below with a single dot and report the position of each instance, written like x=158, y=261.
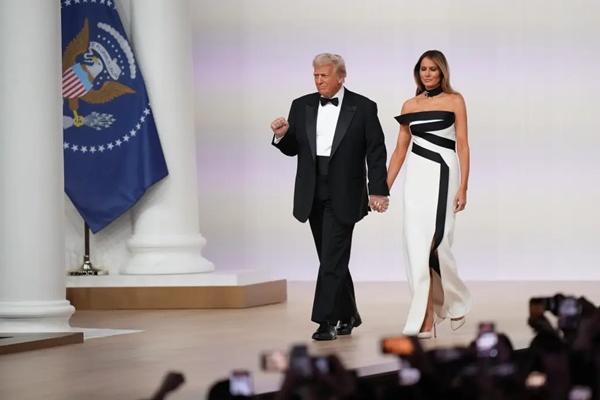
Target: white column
x=166, y=238
x=32, y=269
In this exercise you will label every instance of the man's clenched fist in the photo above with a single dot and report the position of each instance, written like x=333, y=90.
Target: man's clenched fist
x=280, y=127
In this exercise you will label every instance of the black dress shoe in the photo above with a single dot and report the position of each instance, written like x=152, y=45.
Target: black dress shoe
x=345, y=327
x=326, y=331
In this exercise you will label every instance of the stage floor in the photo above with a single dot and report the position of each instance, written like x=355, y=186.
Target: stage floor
x=206, y=344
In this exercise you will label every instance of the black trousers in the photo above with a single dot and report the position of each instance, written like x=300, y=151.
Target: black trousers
x=334, y=294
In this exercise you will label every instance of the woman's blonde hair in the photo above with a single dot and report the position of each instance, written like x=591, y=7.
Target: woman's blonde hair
x=440, y=60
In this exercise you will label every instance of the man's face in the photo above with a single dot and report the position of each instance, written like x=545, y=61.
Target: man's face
x=327, y=80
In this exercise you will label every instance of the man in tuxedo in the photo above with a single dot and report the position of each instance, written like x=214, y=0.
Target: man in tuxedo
x=333, y=132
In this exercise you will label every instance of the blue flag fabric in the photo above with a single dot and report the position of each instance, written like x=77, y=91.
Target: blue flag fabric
x=112, y=151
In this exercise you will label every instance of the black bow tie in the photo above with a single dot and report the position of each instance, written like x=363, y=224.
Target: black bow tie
x=325, y=100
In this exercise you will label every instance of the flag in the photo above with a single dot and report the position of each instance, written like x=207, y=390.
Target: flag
x=112, y=151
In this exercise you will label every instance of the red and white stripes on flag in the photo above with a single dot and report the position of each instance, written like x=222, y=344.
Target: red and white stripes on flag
x=73, y=86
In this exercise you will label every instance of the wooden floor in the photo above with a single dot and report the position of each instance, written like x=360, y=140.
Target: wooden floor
x=206, y=344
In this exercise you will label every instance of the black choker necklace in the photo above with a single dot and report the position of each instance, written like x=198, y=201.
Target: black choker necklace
x=433, y=92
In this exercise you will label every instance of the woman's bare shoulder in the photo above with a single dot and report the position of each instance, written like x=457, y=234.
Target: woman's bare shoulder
x=409, y=105
x=456, y=98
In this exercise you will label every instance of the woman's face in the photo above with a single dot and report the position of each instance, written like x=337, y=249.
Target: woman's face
x=429, y=73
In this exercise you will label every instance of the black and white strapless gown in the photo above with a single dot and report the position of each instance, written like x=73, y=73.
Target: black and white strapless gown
x=431, y=183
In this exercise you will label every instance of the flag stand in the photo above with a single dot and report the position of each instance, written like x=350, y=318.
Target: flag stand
x=87, y=268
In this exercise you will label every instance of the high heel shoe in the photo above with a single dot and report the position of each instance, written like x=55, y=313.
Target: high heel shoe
x=428, y=334
x=456, y=323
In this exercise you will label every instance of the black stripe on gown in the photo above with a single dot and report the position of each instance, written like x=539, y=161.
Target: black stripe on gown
x=422, y=130
x=440, y=218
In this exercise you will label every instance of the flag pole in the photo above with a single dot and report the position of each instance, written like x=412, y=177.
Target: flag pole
x=87, y=268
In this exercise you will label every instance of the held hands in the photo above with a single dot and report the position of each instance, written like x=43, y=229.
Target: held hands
x=379, y=203
x=460, y=201
x=280, y=127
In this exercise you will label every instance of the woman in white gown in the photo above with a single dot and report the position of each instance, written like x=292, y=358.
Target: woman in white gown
x=437, y=174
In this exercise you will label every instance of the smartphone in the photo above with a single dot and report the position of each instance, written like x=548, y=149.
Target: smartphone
x=569, y=313
x=321, y=364
x=408, y=376
x=240, y=383
x=399, y=345
x=487, y=345
x=299, y=361
x=274, y=361
x=580, y=393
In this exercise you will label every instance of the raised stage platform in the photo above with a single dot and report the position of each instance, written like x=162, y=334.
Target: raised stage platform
x=206, y=344
x=229, y=289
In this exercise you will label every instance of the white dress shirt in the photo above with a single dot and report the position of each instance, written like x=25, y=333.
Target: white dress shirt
x=327, y=117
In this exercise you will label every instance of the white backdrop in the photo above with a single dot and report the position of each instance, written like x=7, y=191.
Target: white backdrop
x=529, y=74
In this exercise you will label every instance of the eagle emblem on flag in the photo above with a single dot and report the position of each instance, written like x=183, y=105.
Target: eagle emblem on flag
x=84, y=62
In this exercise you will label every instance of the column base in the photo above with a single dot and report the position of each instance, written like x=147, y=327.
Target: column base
x=35, y=316
x=181, y=254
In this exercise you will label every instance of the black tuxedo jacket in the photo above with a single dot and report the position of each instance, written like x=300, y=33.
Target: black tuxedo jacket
x=358, y=138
